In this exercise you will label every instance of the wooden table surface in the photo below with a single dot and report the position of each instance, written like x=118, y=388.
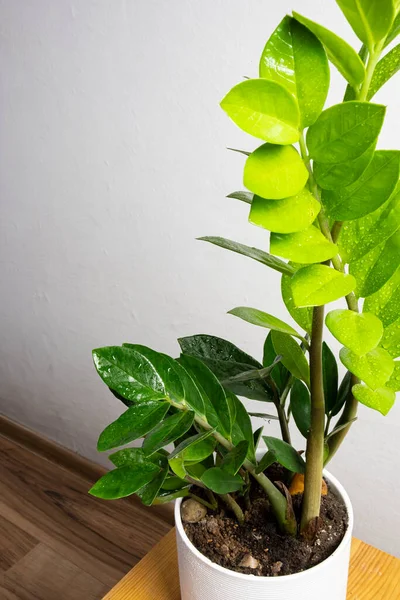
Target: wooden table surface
x=374, y=575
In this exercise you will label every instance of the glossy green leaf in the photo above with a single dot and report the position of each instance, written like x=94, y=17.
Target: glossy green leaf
x=172, y=482
x=275, y=172
x=307, y=246
x=345, y=131
x=190, y=441
x=287, y=215
x=267, y=460
x=359, y=236
x=374, y=269
x=264, y=109
x=374, y=368
x=225, y=360
x=339, y=52
x=265, y=416
x=177, y=466
x=168, y=431
x=178, y=385
x=285, y=454
x=279, y=373
x=262, y=319
x=129, y=457
x=394, y=382
x=124, y=481
x=371, y=20
x=386, y=68
x=385, y=303
x=295, y=58
x=395, y=30
x=242, y=429
x=391, y=339
x=292, y=355
x=213, y=394
x=332, y=176
x=235, y=458
x=257, y=436
x=254, y=253
x=361, y=333
x=318, y=284
x=369, y=192
x=133, y=424
x=343, y=394
x=150, y=491
x=246, y=197
x=338, y=428
x=163, y=498
x=302, y=316
x=199, y=451
x=381, y=399
x=330, y=377
x=300, y=406
x=222, y=482
x=128, y=373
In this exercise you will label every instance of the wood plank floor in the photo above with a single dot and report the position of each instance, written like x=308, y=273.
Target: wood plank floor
x=58, y=543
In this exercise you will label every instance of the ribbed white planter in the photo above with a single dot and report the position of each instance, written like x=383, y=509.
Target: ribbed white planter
x=201, y=579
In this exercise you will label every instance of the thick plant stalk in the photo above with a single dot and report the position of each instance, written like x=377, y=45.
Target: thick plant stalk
x=315, y=441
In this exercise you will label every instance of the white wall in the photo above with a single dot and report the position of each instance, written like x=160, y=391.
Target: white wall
x=113, y=161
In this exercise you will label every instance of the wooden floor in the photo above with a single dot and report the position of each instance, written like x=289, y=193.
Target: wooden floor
x=56, y=542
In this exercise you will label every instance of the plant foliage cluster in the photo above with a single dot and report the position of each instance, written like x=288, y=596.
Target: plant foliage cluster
x=331, y=202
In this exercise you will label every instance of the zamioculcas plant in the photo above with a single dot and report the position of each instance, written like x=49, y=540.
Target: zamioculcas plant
x=331, y=202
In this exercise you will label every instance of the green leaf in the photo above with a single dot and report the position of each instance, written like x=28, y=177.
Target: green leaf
x=168, y=431
x=287, y=215
x=267, y=460
x=275, y=172
x=336, y=430
x=307, y=246
x=394, y=32
x=385, y=303
x=150, y=491
x=374, y=269
x=386, y=68
x=225, y=360
x=318, y=284
x=172, y=482
x=295, y=58
x=124, y=481
x=369, y=192
x=264, y=109
x=331, y=176
x=177, y=466
x=359, y=236
x=374, y=368
x=199, y=451
x=279, y=373
x=285, y=454
x=343, y=394
x=300, y=405
x=262, y=319
x=163, y=498
x=330, y=377
x=259, y=255
x=128, y=373
x=339, y=52
x=257, y=436
x=391, y=339
x=381, y=399
x=361, y=333
x=246, y=197
x=129, y=457
x=133, y=424
x=213, y=394
x=292, y=355
x=242, y=429
x=345, y=131
x=371, y=20
x=265, y=416
x=394, y=381
x=221, y=482
x=235, y=458
x=302, y=316
x=194, y=439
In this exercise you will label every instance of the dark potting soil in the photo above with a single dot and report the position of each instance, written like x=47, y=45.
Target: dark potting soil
x=259, y=542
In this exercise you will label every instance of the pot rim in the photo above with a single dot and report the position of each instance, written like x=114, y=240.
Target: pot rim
x=274, y=580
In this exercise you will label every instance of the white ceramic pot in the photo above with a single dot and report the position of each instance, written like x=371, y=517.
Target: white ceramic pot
x=202, y=579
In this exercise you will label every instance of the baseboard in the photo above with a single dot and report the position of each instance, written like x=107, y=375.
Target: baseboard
x=65, y=458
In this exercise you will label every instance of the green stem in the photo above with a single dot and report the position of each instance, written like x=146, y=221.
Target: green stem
x=281, y=412
x=315, y=441
x=234, y=507
x=201, y=501
x=349, y=413
x=212, y=498
x=371, y=64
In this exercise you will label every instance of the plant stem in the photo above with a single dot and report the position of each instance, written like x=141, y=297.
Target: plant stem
x=212, y=498
x=234, y=506
x=315, y=441
x=371, y=64
x=349, y=413
x=281, y=412
x=201, y=500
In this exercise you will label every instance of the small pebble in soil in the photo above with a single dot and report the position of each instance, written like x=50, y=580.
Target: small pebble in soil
x=248, y=562
x=276, y=567
x=192, y=511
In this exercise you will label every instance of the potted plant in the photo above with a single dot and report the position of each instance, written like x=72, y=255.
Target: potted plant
x=255, y=523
